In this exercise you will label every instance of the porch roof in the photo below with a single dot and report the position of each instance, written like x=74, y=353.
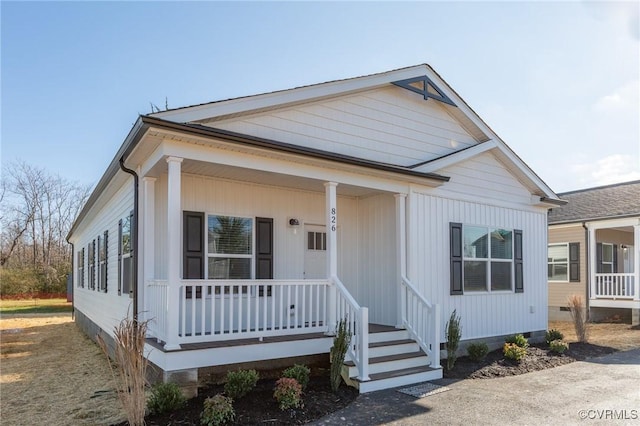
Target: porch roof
x=603, y=202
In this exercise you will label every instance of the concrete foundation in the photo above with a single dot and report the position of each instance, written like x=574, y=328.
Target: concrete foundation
x=495, y=342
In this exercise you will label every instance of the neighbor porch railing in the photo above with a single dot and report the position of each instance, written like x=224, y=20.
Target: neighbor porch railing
x=422, y=320
x=357, y=318
x=615, y=286
x=213, y=310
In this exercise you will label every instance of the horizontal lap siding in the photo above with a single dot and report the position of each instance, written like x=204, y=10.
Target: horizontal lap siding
x=482, y=315
x=104, y=309
x=483, y=176
x=224, y=197
x=386, y=125
x=559, y=292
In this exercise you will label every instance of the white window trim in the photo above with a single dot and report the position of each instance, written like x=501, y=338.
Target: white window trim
x=488, y=260
x=225, y=255
x=558, y=263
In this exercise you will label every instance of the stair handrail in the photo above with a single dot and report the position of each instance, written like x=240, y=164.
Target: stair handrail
x=359, y=326
x=428, y=338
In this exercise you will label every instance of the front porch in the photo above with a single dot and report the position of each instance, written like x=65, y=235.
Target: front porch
x=615, y=265
x=204, y=304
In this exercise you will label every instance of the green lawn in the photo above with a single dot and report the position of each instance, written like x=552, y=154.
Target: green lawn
x=34, y=306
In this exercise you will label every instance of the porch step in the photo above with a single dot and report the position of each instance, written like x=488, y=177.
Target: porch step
x=394, y=360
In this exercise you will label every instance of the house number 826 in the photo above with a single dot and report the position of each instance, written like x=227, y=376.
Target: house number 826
x=332, y=218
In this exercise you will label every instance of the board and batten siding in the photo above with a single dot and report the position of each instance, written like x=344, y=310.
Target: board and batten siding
x=482, y=314
x=559, y=292
x=224, y=197
x=106, y=310
x=389, y=125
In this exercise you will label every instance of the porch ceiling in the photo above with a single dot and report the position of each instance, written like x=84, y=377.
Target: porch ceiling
x=222, y=171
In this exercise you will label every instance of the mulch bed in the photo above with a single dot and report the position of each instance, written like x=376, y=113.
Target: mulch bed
x=259, y=407
x=538, y=357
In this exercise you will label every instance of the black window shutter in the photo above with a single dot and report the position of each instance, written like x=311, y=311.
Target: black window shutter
x=574, y=262
x=517, y=260
x=264, y=251
x=599, y=257
x=455, y=240
x=98, y=266
x=120, y=257
x=615, y=259
x=106, y=261
x=193, y=247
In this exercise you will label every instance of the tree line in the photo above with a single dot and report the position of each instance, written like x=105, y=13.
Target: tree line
x=37, y=210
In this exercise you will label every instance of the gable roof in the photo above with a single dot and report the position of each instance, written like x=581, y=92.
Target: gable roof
x=603, y=202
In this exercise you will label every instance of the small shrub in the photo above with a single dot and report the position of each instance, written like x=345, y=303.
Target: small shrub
x=338, y=351
x=453, y=332
x=558, y=346
x=300, y=373
x=165, y=397
x=519, y=340
x=477, y=351
x=514, y=352
x=218, y=410
x=239, y=383
x=552, y=335
x=579, y=316
x=288, y=393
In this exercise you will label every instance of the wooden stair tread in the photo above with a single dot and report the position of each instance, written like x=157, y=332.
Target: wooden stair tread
x=390, y=343
x=396, y=357
x=396, y=373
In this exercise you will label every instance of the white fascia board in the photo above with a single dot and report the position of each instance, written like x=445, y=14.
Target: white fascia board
x=613, y=223
x=456, y=157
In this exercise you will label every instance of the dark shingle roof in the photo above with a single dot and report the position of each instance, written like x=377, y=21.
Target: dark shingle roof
x=603, y=202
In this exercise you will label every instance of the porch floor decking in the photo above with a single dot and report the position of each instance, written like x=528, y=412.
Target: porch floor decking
x=373, y=328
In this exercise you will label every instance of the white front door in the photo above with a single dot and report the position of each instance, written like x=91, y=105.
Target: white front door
x=315, y=252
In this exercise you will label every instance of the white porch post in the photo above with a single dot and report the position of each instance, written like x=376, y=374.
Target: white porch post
x=148, y=238
x=173, y=251
x=636, y=261
x=401, y=254
x=592, y=262
x=332, y=250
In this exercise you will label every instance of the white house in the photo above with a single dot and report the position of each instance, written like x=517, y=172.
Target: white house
x=244, y=229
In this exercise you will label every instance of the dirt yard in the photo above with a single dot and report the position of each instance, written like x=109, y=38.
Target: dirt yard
x=50, y=374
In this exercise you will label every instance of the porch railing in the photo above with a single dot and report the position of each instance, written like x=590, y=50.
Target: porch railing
x=615, y=286
x=213, y=310
x=357, y=319
x=422, y=320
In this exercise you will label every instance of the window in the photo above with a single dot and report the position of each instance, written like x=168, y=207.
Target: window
x=102, y=261
x=125, y=255
x=92, y=265
x=607, y=259
x=558, y=262
x=316, y=240
x=80, y=282
x=485, y=259
x=229, y=247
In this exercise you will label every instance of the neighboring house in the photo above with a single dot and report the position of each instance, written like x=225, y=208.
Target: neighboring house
x=593, y=252
x=244, y=229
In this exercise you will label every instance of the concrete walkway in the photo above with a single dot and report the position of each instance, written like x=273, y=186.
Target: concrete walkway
x=602, y=390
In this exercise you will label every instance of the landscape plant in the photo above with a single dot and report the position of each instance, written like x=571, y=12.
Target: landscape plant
x=519, y=340
x=218, y=410
x=558, y=346
x=552, y=335
x=240, y=382
x=129, y=367
x=288, y=393
x=453, y=333
x=341, y=342
x=477, y=351
x=165, y=397
x=514, y=352
x=300, y=373
x=579, y=316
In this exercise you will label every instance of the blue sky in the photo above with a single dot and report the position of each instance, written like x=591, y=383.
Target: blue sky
x=558, y=81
